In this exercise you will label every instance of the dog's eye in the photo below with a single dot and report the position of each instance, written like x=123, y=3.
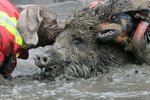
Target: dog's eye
x=113, y=17
x=116, y=20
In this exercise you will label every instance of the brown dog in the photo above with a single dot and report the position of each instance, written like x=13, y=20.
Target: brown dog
x=130, y=29
x=38, y=25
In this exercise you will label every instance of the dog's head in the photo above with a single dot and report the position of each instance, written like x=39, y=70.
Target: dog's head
x=115, y=29
x=28, y=24
x=37, y=24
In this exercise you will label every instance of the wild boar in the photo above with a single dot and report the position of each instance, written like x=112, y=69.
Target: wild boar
x=76, y=52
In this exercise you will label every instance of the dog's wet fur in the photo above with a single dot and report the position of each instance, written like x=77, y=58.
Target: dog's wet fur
x=120, y=27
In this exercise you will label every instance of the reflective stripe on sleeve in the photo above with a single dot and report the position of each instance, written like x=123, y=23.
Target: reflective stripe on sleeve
x=10, y=24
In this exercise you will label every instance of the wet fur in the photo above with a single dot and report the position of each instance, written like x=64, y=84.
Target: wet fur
x=79, y=53
x=123, y=33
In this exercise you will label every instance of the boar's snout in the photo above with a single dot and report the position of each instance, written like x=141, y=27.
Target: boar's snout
x=42, y=60
x=48, y=59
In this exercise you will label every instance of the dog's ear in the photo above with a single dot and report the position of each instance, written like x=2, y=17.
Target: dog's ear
x=29, y=23
x=143, y=14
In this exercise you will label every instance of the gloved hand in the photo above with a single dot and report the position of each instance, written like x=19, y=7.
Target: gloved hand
x=8, y=66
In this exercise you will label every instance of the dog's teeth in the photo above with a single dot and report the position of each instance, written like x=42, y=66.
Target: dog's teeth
x=112, y=32
x=105, y=34
x=99, y=35
x=109, y=33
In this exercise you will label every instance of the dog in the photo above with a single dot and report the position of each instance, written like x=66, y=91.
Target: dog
x=38, y=25
x=129, y=29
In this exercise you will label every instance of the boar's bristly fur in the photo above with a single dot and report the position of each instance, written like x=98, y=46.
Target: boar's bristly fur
x=76, y=53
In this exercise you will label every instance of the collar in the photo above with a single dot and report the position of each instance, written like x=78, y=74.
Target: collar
x=139, y=33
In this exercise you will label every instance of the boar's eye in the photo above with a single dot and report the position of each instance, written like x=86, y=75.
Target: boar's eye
x=77, y=41
x=92, y=29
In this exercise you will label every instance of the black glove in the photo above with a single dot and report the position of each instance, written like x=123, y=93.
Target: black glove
x=8, y=66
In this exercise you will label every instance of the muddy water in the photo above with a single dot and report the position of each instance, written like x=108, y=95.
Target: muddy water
x=129, y=83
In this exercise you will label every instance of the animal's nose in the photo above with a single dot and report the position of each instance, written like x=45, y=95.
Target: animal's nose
x=48, y=58
x=41, y=60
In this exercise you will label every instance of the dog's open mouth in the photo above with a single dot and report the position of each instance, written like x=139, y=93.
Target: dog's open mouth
x=106, y=33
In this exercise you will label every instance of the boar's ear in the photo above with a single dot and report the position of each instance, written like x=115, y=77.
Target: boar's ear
x=29, y=23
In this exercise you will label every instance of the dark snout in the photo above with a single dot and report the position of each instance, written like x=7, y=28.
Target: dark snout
x=48, y=59
x=42, y=60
